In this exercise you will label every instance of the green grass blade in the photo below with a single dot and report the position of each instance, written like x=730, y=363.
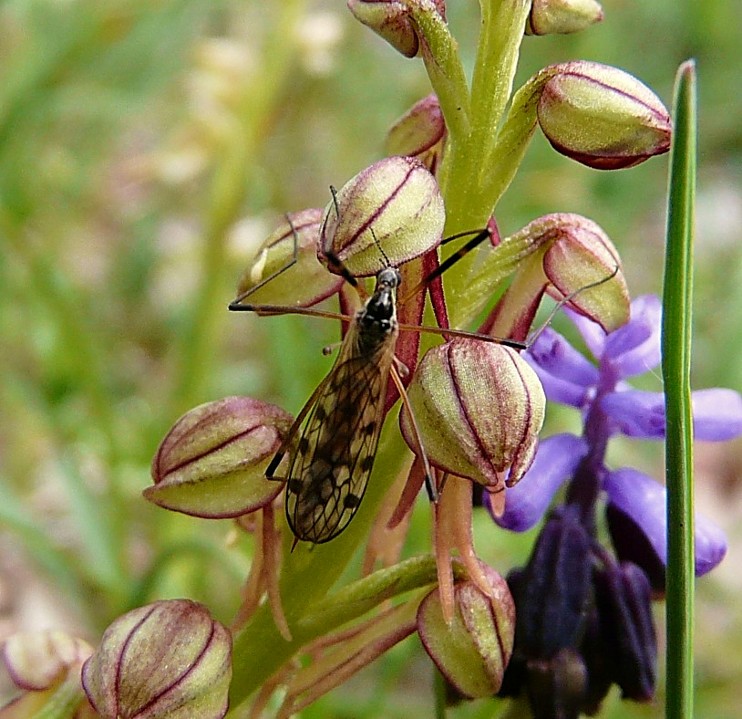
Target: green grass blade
x=676, y=352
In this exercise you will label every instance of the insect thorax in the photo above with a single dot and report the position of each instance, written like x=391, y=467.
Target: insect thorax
x=377, y=320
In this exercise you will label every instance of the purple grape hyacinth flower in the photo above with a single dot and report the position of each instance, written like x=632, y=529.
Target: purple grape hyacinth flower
x=636, y=502
x=584, y=616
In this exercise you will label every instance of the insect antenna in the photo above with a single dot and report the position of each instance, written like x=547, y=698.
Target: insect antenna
x=422, y=454
x=334, y=263
x=236, y=303
x=566, y=300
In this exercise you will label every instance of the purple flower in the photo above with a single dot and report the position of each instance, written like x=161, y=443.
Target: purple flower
x=584, y=616
x=636, y=503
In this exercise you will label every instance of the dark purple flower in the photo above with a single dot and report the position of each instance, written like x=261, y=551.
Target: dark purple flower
x=584, y=617
x=610, y=406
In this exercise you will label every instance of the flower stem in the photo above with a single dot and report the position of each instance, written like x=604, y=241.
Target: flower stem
x=676, y=346
x=466, y=171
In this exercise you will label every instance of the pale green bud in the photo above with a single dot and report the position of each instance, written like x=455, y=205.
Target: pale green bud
x=212, y=462
x=479, y=407
x=473, y=650
x=388, y=214
x=167, y=660
x=548, y=17
x=602, y=116
x=287, y=263
x=420, y=132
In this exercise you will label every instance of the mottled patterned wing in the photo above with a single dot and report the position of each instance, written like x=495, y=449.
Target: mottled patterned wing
x=331, y=458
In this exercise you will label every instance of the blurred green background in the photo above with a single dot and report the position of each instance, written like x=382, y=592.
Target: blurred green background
x=146, y=147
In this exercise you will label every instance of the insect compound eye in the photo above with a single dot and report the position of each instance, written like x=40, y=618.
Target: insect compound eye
x=479, y=407
x=386, y=215
x=389, y=277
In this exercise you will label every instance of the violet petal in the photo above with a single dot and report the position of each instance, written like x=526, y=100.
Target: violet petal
x=592, y=333
x=560, y=390
x=717, y=414
x=525, y=503
x=636, y=413
x=555, y=355
x=635, y=348
x=644, y=501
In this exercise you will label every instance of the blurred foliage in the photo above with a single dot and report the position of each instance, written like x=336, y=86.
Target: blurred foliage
x=145, y=147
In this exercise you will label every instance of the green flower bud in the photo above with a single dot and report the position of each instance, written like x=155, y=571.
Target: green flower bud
x=168, y=660
x=420, y=133
x=388, y=214
x=601, y=116
x=473, y=650
x=565, y=255
x=46, y=665
x=479, y=407
x=213, y=460
x=548, y=17
x=287, y=263
x=393, y=20
x=580, y=254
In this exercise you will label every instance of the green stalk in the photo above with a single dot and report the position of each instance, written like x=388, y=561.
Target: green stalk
x=676, y=355
x=466, y=167
x=307, y=575
x=259, y=650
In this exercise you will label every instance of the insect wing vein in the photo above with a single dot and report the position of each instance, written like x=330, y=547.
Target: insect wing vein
x=332, y=457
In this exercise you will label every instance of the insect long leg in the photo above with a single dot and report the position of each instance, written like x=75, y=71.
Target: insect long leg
x=275, y=310
x=479, y=237
x=515, y=344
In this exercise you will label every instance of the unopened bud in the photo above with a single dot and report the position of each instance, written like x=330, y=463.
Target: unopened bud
x=623, y=598
x=37, y=660
x=388, y=214
x=420, y=133
x=394, y=20
x=212, y=462
x=47, y=666
x=601, y=116
x=287, y=263
x=552, y=595
x=479, y=407
x=473, y=650
x=566, y=255
x=583, y=264
x=549, y=17
x=168, y=660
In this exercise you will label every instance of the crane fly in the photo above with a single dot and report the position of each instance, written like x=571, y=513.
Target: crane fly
x=332, y=445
